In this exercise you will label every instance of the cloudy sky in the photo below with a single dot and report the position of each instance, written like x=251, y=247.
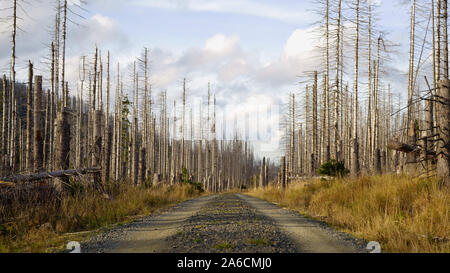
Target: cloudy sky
x=254, y=52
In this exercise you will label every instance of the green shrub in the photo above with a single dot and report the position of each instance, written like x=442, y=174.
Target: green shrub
x=333, y=168
x=187, y=180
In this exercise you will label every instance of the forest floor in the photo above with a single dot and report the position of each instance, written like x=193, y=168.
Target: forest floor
x=226, y=223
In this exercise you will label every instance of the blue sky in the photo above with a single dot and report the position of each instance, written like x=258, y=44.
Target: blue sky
x=250, y=50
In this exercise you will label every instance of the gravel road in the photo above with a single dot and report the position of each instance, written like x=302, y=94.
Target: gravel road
x=227, y=223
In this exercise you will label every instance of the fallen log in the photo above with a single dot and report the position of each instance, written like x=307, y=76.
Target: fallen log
x=48, y=175
x=408, y=148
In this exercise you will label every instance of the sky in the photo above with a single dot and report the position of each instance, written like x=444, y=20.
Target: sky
x=254, y=52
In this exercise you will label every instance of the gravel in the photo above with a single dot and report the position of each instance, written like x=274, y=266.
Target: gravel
x=229, y=225
x=226, y=223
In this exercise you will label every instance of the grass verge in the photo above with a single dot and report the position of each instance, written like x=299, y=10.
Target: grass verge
x=43, y=221
x=403, y=214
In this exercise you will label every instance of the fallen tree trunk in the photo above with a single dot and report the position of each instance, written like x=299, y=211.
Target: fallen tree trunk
x=48, y=175
x=408, y=148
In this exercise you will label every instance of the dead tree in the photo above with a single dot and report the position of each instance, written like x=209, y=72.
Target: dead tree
x=97, y=145
x=62, y=140
x=12, y=115
x=142, y=166
x=411, y=158
x=5, y=120
x=262, y=175
x=63, y=89
x=337, y=146
x=107, y=132
x=443, y=147
x=283, y=172
x=355, y=144
x=314, y=156
x=326, y=89
x=29, y=151
x=63, y=174
x=38, y=148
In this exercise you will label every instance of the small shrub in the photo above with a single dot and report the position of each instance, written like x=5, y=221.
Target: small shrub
x=333, y=168
x=187, y=180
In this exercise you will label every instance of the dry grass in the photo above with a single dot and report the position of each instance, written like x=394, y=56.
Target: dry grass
x=39, y=220
x=404, y=214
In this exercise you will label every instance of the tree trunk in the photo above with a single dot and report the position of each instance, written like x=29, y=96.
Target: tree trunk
x=29, y=151
x=443, y=145
x=283, y=172
x=355, y=145
x=315, y=127
x=38, y=132
x=411, y=158
x=65, y=92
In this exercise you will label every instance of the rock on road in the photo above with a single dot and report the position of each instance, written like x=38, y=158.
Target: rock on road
x=227, y=223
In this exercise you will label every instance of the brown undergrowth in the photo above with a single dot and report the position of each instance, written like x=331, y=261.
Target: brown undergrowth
x=38, y=219
x=403, y=214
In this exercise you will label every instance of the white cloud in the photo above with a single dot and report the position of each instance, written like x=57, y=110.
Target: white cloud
x=220, y=44
x=301, y=43
x=245, y=7
x=300, y=54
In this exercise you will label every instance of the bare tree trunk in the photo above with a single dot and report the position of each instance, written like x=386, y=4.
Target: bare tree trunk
x=56, y=57
x=107, y=134
x=355, y=144
x=370, y=118
x=97, y=145
x=183, y=125
x=12, y=118
x=135, y=149
x=173, y=152
x=94, y=159
x=214, y=148
x=411, y=158
x=62, y=143
x=445, y=38
x=337, y=134
x=327, y=90
x=62, y=140
x=262, y=182
x=375, y=121
x=315, y=126
x=291, y=163
x=438, y=43
x=443, y=146
x=283, y=172
x=5, y=137
x=28, y=158
x=143, y=166
x=300, y=150
x=47, y=125
x=38, y=134
x=65, y=92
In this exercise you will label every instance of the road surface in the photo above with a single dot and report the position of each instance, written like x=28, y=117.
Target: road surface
x=227, y=223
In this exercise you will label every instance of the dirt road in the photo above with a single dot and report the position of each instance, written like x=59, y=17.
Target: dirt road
x=230, y=223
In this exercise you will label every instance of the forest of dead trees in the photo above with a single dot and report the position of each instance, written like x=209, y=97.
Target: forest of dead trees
x=347, y=110
x=114, y=129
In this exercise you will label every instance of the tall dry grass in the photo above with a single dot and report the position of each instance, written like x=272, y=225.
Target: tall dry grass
x=403, y=214
x=38, y=219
